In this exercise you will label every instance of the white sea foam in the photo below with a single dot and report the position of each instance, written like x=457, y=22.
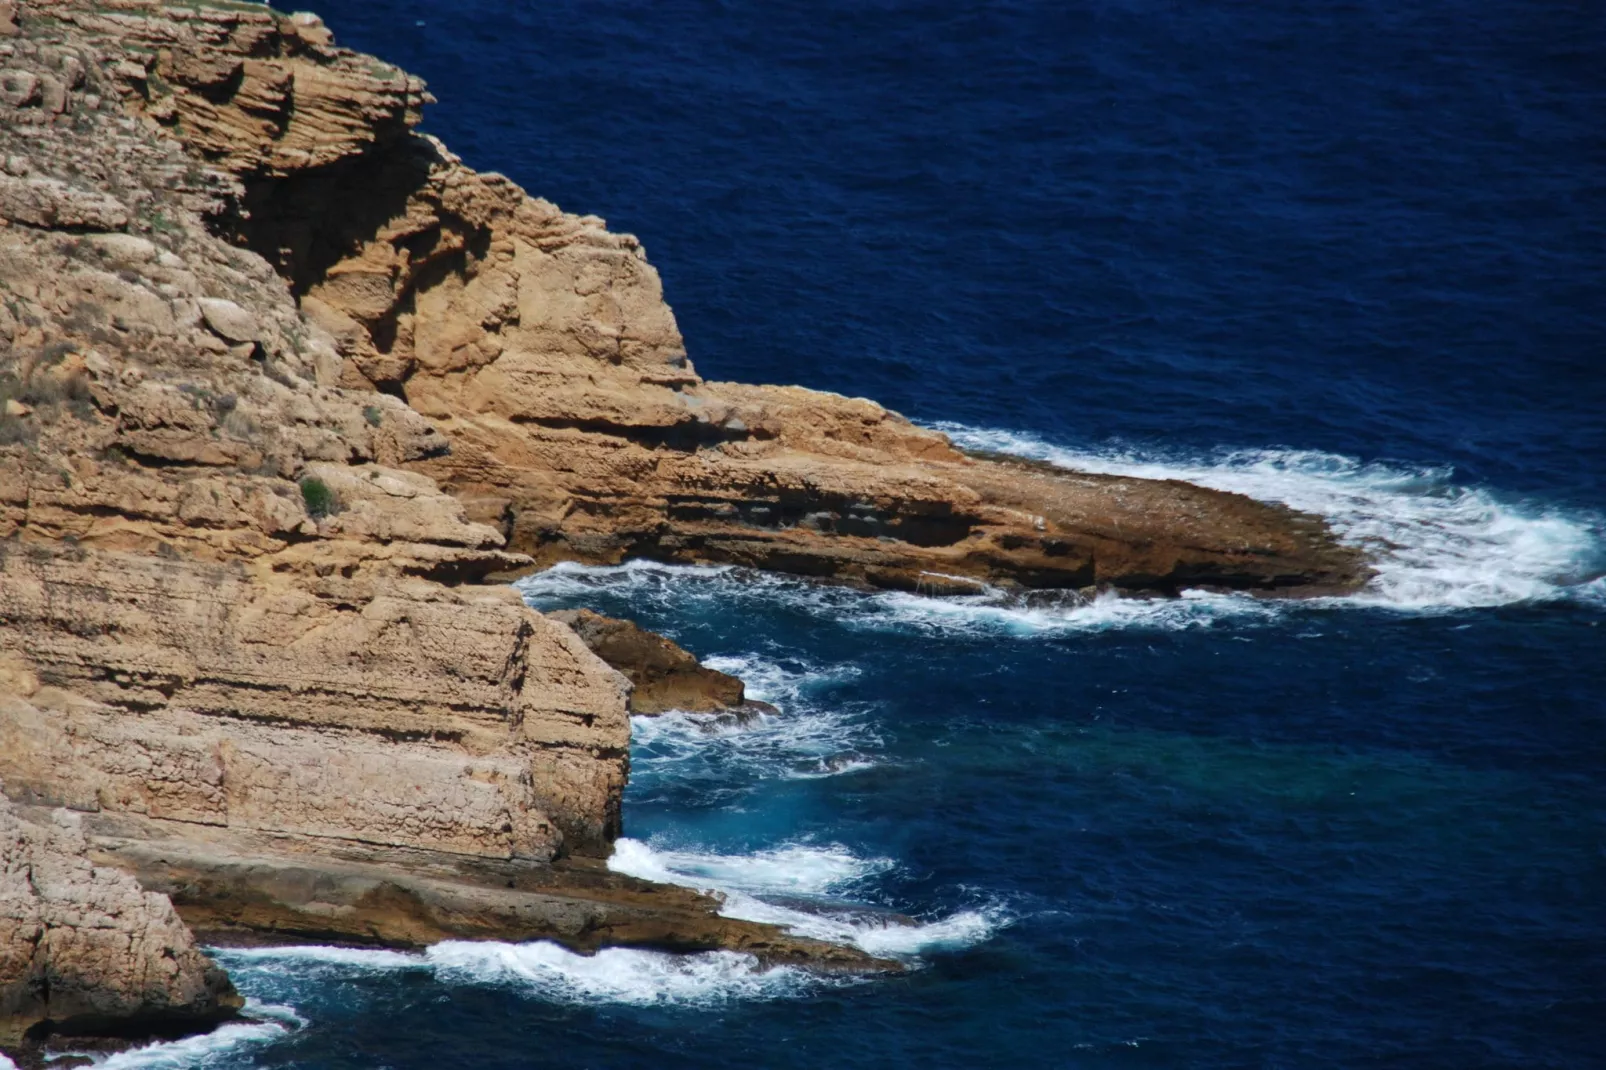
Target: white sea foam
x=265, y=1024
x=798, y=870
x=807, y=738
x=542, y=969
x=771, y=681
x=316, y=955
x=794, y=869
x=617, y=975
x=659, y=585
x=1005, y=613
x=1436, y=545
x=566, y=582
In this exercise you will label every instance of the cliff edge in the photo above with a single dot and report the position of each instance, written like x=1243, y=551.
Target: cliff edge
x=282, y=382
x=539, y=344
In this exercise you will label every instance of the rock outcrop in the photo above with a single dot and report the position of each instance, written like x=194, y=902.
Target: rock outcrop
x=237, y=633
x=663, y=675
x=540, y=345
x=83, y=949
x=281, y=381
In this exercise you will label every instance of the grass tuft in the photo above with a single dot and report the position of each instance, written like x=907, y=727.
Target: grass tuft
x=319, y=498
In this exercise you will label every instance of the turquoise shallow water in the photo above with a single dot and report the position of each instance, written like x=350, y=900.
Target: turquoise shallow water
x=1348, y=257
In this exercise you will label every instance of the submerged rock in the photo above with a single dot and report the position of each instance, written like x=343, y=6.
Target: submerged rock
x=663, y=675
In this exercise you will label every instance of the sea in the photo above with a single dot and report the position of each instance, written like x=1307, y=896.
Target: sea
x=1349, y=255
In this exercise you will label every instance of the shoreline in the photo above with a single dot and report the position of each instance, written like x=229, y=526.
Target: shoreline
x=286, y=384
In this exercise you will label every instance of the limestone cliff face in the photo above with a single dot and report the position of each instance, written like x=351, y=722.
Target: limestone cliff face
x=281, y=380
x=242, y=661
x=240, y=634
x=540, y=345
x=83, y=945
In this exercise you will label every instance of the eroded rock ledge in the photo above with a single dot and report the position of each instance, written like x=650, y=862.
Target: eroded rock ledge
x=282, y=380
x=541, y=346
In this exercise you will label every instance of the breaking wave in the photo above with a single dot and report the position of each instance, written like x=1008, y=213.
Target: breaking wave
x=617, y=975
x=540, y=969
x=807, y=738
x=1436, y=545
x=796, y=869
x=659, y=586
x=800, y=872
x=264, y=1023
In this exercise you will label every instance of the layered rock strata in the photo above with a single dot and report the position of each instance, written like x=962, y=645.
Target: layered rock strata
x=282, y=380
x=540, y=345
x=84, y=949
x=237, y=633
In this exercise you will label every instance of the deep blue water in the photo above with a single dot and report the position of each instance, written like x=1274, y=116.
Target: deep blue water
x=1346, y=255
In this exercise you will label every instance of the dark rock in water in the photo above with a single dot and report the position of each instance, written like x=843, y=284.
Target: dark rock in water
x=665, y=676
x=735, y=717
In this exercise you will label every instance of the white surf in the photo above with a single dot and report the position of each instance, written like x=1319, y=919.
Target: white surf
x=799, y=869
x=1436, y=545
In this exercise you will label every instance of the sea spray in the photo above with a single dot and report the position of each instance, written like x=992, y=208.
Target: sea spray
x=806, y=738
x=795, y=869
x=658, y=587
x=263, y=1024
x=748, y=884
x=1437, y=545
x=617, y=975
x=539, y=969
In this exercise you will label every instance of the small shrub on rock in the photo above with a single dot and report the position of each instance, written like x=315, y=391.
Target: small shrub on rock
x=320, y=500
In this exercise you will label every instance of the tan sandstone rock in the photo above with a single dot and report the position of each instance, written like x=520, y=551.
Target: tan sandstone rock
x=663, y=675
x=240, y=635
x=83, y=945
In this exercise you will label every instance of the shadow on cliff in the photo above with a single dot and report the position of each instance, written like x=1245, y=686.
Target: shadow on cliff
x=309, y=222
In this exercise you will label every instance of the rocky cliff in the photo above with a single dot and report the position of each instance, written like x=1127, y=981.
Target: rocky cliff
x=237, y=633
x=83, y=949
x=540, y=345
x=283, y=381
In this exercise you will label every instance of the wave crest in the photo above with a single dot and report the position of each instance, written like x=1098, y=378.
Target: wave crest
x=655, y=586
x=806, y=739
x=540, y=968
x=264, y=1023
x=1436, y=545
x=743, y=881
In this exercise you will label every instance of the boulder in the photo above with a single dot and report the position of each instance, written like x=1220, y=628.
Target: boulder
x=84, y=950
x=663, y=675
x=228, y=320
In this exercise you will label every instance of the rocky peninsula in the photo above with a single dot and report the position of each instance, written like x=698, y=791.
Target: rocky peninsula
x=284, y=388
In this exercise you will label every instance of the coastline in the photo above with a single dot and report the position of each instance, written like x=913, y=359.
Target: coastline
x=256, y=476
